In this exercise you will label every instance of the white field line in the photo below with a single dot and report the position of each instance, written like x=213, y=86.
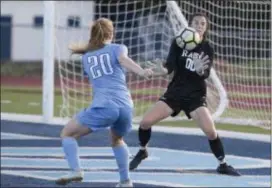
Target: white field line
x=33, y=104
x=165, y=129
x=6, y=101
x=5, y=136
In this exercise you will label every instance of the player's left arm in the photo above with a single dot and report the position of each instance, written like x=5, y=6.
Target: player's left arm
x=162, y=68
x=158, y=67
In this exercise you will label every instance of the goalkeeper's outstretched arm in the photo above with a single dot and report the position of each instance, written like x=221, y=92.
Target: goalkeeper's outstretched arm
x=166, y=67
x=158, y=67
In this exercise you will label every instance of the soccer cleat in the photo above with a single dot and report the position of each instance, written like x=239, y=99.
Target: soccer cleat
x=141, y=155
x=227, y=170
x=127, y=183
x=73, y=176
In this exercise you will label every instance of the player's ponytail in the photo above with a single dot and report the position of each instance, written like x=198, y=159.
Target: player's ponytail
x=102, y=30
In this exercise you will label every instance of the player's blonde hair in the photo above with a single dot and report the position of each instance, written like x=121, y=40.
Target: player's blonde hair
x=102, y=31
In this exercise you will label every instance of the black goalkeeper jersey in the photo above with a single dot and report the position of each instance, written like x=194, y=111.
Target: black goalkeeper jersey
x=186, y=83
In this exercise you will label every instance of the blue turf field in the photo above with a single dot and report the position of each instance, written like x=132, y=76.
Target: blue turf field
x=31, y=156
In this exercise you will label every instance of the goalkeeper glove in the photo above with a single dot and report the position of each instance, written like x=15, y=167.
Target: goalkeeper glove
x=201, y=64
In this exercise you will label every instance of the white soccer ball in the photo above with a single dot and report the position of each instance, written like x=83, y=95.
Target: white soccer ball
x=188, y=38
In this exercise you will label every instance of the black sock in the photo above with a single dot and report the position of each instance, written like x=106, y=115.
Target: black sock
x=144, y=136
x=217, y=149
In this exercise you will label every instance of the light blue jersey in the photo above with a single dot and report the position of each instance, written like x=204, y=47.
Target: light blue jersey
x=107, y=77
x=112, y=105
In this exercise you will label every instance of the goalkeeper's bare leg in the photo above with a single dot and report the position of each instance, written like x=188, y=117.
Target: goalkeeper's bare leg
x=157, y=113
x=201, y=115
x=204, y=120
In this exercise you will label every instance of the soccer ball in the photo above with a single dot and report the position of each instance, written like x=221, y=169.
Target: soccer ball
x=188, y=38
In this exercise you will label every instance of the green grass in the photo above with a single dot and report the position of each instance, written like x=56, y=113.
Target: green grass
x=21, y=97
x=156, y=91
x=152, y=91
x=219, y=126
x=238, y=113
x=20, y=102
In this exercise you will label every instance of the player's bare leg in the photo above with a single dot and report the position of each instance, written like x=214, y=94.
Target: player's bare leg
x=121, y=154
x=204, y=120
x=69, y=134
x=157, y=113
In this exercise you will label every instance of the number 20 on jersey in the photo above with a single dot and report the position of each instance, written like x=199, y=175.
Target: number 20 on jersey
x=100, y=65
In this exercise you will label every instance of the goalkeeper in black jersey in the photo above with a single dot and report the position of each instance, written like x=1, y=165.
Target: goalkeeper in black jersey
x=186, y=92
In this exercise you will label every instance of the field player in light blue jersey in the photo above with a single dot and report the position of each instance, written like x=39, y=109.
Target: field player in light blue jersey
x=104, y=63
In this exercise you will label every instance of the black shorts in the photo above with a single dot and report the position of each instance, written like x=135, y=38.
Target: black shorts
x=183, y=104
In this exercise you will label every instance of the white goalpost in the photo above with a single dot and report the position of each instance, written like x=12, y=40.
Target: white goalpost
x=48, y=61
x=239, y=87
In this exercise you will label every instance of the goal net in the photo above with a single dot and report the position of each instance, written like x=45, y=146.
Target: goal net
x=239, y=87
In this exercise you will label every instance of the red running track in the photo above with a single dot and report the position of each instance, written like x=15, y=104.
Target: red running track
x=236, y=102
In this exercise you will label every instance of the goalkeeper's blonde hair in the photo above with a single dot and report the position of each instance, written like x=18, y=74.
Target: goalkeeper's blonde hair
x=102, y=31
